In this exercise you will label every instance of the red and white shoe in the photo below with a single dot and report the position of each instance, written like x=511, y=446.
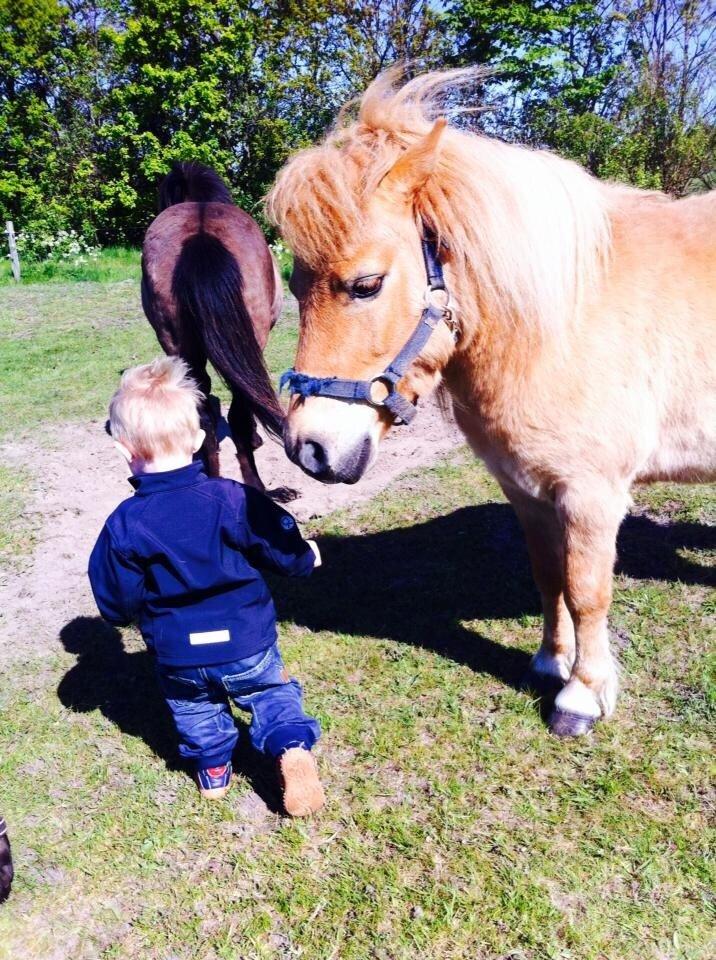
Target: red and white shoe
x=214, y=782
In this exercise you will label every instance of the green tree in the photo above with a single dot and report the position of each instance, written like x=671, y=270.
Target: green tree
x=32, y=102
x=569, y=50
x=98, y=97
x=238, y=84
x=624, y=87
x=179, y=91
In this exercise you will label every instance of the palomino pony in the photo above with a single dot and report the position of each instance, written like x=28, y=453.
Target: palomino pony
x=578, y=344
x=211, y=290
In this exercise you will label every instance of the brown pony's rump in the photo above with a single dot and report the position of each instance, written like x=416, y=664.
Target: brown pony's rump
x=208, y=289
x=212, y=292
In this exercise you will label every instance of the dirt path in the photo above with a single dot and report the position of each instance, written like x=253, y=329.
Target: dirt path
x=80, y=480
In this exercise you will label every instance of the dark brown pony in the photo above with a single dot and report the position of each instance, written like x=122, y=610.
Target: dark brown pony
x=212, y=292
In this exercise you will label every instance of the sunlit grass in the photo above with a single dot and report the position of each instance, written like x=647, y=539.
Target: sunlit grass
x=456, y=827
x=112, y=265
x=64, y=346
x=17, y=530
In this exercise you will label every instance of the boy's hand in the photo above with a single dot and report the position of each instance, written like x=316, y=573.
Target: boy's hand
x=316, y=552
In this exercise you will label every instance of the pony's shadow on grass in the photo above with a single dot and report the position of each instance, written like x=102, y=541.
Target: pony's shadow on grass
x=649, y=548
x=122, y=685
x=426, y=585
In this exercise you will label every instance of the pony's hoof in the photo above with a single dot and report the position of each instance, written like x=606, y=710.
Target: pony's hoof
x=283, y=494
x=565, y=723
x=543, y=684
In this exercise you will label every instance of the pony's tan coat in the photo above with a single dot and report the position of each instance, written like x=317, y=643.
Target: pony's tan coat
x=588, y=333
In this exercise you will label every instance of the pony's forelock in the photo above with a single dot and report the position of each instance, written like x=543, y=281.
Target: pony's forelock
x=527, y=230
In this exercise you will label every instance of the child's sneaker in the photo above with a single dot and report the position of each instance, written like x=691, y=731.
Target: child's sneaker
x=302, y=790
x=214, y=782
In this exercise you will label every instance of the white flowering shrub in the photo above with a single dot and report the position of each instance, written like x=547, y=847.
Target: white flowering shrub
x=66, y=246
x=284, y=258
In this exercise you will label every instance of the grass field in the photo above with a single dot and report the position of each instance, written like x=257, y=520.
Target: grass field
x=112, y=265
x=63, y=347
x=456, y=828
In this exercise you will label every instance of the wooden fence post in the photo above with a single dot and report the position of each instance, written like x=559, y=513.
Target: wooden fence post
x=14, y=258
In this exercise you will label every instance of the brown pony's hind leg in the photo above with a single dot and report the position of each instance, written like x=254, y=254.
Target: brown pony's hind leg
x=209, y=414
x=551, y=666
x=590, y=520
x=243, y=429
x=246, y=439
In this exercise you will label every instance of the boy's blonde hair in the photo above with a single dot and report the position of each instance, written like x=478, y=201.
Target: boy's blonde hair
x=154, y=411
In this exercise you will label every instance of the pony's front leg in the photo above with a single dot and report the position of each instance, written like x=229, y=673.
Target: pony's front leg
x=590, y=520
x=551, y=666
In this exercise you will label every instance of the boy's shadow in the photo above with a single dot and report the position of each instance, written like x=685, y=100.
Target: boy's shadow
x=122, y=685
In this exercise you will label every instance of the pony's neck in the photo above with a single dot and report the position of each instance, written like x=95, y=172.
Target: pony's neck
x=528, y=232
x=495, y=360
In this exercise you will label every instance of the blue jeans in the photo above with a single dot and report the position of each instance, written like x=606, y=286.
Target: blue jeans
x=198, y=698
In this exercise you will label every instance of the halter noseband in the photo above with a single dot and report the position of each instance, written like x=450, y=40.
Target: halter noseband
x=369, y=391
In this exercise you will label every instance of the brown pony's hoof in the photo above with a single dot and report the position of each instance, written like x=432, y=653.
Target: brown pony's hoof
x=302, y=790
x=543, y=684
x=564, y=723
x=283, y=494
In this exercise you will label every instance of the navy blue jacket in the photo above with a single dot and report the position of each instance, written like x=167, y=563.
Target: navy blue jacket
x=182, y=556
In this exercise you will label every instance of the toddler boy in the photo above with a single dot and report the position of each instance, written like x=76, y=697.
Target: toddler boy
x=182, y=557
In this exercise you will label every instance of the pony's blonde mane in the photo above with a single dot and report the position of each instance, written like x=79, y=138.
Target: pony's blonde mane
x=527, y=231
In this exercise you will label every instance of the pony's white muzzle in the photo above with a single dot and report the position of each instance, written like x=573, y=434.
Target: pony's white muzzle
x=330, y=440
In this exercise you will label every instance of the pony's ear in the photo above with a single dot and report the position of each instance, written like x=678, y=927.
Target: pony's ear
x=412, y=169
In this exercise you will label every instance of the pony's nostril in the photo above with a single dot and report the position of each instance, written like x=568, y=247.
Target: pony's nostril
x=312, y=456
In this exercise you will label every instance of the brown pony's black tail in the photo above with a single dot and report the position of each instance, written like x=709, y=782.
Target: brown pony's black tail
x=190, y=180
x=207, y=285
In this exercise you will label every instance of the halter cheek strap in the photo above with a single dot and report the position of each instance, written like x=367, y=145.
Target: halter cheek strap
x=382, y=390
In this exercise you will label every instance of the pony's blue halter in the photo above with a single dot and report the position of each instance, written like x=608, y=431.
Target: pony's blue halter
x=368, y=391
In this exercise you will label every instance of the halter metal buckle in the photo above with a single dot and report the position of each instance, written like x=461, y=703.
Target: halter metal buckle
x=380, y=381
x=432, y=300
x=433, y=296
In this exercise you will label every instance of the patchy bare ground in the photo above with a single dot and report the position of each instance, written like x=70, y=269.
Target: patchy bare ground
x=79, y=480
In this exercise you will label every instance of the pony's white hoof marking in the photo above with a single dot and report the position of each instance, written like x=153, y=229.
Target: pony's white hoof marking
x=577, y=707
x=578, y=699
x=607, y=694
x=558, y=666
x=547, y=673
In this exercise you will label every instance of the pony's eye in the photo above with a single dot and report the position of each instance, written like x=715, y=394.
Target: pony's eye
x=365, y=287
